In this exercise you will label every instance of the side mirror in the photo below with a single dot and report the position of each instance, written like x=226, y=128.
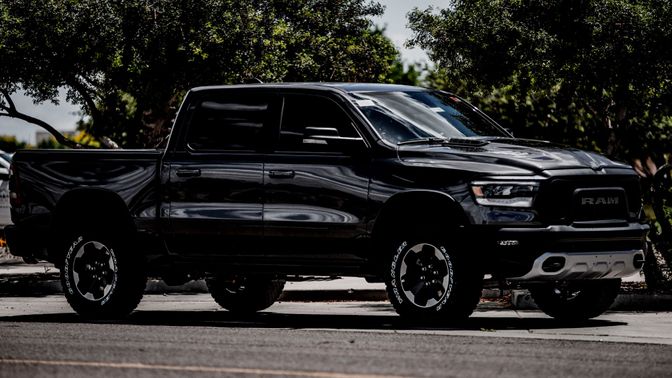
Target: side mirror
x=313, y=132
x=329, y=136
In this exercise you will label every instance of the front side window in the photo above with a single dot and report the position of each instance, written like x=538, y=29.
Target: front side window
x=305, y=115
x=404, y=116
x=235, y=123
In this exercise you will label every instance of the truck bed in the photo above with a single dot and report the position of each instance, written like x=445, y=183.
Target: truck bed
x=42, y=177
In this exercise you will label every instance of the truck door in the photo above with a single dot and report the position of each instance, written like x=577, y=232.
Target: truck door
x=215, y=185
x=316, y=188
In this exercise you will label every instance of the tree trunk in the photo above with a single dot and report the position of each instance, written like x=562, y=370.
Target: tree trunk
x=662, y=200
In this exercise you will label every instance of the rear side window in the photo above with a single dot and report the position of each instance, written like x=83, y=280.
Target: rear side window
x=231, y=123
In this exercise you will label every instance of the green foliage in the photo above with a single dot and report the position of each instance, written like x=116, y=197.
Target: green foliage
x=595, y=73
x=406, y=75
x=49, y=144
x=9, y=144
x=82, y=138
x=129, y=63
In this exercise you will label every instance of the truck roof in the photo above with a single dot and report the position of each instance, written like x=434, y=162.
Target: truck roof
x=345, y=87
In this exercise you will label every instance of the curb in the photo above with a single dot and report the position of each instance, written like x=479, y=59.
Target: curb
x=39, y=285
x=522, y=300
x=30, y=285
x=333, y=296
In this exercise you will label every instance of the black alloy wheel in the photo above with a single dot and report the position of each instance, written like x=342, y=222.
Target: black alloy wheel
x=575, y=301
x=426, y=275
x=94, y=271
x=242, y=294
x=101, y=278
x=427, y=281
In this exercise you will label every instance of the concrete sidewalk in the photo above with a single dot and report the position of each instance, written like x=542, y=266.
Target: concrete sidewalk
x=43, y=279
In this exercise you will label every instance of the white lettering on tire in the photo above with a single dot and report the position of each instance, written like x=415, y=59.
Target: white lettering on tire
x=393, y=273
x=66, y=266
x=449, y=289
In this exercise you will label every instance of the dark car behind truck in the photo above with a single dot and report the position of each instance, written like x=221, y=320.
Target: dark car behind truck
x=259, y=183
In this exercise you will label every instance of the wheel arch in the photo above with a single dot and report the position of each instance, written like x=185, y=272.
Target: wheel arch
x=86, y=208
x=418, y=206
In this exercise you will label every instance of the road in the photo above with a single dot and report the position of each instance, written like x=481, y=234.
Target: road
x=180, y=335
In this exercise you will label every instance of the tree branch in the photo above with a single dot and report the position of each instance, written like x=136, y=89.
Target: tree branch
x=13, y=113
x=5, y=93
x=90, y=81
x=88, y=99
x=591, y=109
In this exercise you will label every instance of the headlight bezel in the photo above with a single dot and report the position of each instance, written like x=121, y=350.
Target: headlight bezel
x=502, y=193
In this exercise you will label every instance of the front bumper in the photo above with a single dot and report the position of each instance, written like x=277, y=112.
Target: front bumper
x=519, y=253
x=555, y=266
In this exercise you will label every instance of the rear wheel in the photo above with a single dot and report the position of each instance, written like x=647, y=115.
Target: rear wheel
x=101, y=278
x=245, y=295
x=428, y=281
x=576, y=301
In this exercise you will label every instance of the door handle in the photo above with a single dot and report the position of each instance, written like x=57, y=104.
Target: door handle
x=188, y=172
x=279, y=174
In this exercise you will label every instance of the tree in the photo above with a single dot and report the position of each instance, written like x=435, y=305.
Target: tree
x=603, y=63
x=405, y=74
x=129, y=63
x=593, y=73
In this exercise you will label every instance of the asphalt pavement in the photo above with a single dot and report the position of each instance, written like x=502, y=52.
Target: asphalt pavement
x=178, y=335
x=337, y=328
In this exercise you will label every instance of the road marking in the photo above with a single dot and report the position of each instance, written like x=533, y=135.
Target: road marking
x=191, y=369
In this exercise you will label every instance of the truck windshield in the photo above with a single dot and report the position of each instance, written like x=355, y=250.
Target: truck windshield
x=423, y=115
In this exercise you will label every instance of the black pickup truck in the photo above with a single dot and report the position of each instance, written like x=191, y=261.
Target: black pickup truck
x=260, y=184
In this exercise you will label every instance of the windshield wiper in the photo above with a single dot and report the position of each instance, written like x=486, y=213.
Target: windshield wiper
x=430, y=140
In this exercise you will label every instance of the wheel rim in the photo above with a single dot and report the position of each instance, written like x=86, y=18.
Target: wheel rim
x=235, y=286
x=565, y=293
x=425, y=275
x=94, y=271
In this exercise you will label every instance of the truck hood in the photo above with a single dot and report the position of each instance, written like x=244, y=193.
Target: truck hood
x=521, y=154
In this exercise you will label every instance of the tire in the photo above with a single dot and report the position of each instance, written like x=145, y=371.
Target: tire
x=244, y=295
x=101, y=278
x=426, y=281
x=576, y=301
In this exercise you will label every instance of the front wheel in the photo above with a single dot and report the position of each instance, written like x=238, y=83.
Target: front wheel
x=101, y=278
x=575, y=301
x=426, y=281
x=244, y=295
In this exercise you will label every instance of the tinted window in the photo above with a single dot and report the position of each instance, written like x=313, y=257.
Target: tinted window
x=230, y=124
x=404, y=116
x=305, y=115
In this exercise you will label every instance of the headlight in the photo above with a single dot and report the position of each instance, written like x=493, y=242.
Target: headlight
x=509, y=194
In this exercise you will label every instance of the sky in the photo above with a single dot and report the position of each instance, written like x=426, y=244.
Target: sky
x=65, y=115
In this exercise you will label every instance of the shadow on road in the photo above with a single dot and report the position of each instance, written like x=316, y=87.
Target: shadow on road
x=321, y=321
